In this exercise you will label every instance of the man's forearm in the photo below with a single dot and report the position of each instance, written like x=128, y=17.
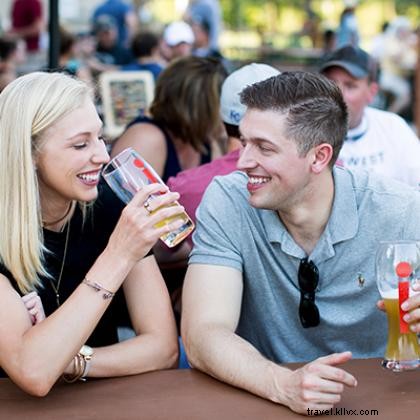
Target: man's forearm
x=226, y=356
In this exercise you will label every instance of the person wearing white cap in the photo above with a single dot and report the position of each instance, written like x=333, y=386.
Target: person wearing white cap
x=178, y=40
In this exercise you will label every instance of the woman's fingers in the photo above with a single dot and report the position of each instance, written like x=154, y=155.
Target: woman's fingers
x=34, y=306
x=29, y=296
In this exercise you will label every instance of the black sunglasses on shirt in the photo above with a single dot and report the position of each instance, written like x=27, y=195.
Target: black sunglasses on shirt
x=308, y=277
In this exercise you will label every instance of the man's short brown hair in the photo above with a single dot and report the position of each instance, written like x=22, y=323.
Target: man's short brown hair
x=313, y=105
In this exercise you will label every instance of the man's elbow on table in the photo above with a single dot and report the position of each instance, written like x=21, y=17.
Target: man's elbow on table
x=189, y=339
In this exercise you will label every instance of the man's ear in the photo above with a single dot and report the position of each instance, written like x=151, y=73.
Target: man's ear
x=373, y=90
x=321, y=157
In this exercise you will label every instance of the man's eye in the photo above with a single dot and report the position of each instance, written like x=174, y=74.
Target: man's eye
x=263, y=148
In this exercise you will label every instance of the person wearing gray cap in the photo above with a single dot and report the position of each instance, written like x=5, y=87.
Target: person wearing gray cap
x=281, y=246
x=377, y=141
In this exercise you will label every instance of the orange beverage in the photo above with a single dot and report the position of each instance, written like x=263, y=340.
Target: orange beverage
x=126, y=174
x=397, y=270
x=401, y=346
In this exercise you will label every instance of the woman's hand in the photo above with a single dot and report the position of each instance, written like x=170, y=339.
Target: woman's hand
x=137, y=229
x=412, y=306
x=34, y=306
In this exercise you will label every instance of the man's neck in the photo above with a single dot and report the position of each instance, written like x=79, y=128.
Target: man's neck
x=307, y=220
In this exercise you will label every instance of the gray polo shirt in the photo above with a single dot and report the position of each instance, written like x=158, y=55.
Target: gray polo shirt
x=366, y=210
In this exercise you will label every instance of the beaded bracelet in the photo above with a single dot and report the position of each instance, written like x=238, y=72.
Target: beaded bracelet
x=107, y=294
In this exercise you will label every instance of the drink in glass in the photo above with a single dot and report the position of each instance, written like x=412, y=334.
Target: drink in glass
x=126, y=174
x=397, y=267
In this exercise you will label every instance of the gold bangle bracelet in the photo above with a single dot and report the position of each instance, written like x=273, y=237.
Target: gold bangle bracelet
x=79, y=367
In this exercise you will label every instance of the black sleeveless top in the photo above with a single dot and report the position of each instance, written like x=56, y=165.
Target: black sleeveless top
x=172, y=165
x=86, y=242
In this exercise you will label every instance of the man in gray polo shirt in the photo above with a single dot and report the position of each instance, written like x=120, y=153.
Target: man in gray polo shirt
x=282, y=268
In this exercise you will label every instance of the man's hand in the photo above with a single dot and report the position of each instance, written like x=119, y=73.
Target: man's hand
x=34, y=306
x=317, y=385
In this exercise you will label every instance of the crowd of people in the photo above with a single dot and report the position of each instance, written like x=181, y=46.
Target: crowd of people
x=291, y=178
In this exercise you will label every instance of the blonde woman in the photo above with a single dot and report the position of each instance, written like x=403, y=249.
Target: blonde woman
x=66, y=236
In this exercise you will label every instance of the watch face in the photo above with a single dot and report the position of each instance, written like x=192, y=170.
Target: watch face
x=86, y=350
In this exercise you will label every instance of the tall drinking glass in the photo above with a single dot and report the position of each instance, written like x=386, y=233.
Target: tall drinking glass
x=126, y=174
x=397, y=267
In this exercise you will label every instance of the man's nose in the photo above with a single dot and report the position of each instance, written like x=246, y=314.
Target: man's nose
x=246, y=159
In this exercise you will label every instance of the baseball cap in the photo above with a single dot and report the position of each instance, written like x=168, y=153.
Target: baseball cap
x=231, y=108
x=352, y=59
x=177, y=32
x=104, y=23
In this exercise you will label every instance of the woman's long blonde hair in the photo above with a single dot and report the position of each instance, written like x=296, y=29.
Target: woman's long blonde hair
x=28, y=106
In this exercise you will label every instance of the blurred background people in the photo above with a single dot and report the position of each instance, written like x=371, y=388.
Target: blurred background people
x=398, y=62
x=378, y=43
x=68, y=60
x=108, y=50
x=329, y=38
x=28, y=23
x=202, y=46
x=377, y=141
x=348, y=31
x=177, y=41
x=124, y=16
x=146, y=53
x=184, y=121
x=12, y=54
x=209, y=11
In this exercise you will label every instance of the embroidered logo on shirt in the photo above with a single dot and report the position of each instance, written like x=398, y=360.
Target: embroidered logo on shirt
x=360, y=280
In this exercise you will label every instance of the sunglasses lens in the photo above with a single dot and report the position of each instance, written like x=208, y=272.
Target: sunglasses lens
x=308, y=278
x=308, y=313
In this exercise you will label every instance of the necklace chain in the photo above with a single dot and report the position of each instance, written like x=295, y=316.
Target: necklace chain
x=57, y=288
x=61, y=218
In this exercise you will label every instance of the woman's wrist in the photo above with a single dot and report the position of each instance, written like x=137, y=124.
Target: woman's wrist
x=109, y=271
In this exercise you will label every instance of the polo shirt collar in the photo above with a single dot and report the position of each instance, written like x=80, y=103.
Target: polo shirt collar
x=342, y=224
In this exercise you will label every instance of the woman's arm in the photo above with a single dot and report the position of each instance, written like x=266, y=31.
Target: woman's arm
x=148, y=140
x=35, y=356
x=155, y=345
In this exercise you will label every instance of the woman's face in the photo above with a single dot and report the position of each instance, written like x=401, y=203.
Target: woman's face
x=71, y=157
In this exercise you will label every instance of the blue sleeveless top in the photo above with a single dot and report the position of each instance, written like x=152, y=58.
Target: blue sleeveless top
x=172, y=165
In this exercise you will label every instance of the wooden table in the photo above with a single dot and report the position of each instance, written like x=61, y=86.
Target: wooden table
x=188, y=394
